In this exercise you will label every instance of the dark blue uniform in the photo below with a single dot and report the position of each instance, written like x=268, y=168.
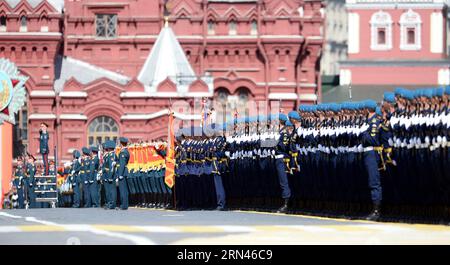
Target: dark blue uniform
x=372, y=158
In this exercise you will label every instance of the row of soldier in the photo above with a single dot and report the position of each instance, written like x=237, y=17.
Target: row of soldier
x=128, y=173
x=329, y=157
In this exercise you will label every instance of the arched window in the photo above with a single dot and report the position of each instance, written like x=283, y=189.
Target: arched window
x=381, y=29
x=222, y=95
x=243, y=95
x=23, y=21
x=410, y=31
x=102, y=129
x=211, y=27
x=3, y=23
x=44, y=24
x=253, y=27
x=232, y=28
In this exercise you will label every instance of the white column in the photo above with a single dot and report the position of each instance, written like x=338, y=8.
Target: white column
x=444, y=77
x=345, y=77
x=436, y=33
x=353, y=33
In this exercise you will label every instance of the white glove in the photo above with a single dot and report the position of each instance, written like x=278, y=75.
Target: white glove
x=117, y=180
x=391, y=142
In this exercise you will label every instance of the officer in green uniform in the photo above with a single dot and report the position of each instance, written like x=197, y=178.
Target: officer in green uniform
x=31, y=172
x=122, y=173
x=94, y=178
x=86, y=176
x=74, y=179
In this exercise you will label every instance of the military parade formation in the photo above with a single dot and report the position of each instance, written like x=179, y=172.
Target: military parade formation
x=350, y=158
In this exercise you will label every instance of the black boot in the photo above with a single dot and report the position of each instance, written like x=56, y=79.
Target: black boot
x=375, y=214
x=164, y=201
x=169, y=201
x=284, y=208
x=158, y=200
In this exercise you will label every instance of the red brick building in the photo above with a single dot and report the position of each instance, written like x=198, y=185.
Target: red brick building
x=397, y=42
x=103, y=68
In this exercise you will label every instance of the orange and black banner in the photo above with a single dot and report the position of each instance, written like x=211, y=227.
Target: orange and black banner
x=170, y=156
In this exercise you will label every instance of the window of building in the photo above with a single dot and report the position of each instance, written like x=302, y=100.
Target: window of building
x=410, y=27
x=243, y=95
x=411, y=36
x=106, y=26
x=381, y=31
x=381, y=39
x=254, y=27
x=20, y=132
x=23, y=23
x=232, y=28
x=3, y=23
x=211, y=27
x=222, y=95
x=44, y=24
x=102, y=129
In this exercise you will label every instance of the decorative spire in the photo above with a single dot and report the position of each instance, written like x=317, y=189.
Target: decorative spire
x=166, y=21
x=166, y=13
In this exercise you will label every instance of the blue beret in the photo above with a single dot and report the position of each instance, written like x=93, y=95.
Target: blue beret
x=294, y=115
x=289, y=124
x=439, y=92
x=389, y=97
x=378, y=111
x=370, y=104
x=447, y=90
x=399, y=91
x=335, y=107
x=94, y=149
x=428, y=93
x=123, y=140
x=283, y=117
x=408, y=94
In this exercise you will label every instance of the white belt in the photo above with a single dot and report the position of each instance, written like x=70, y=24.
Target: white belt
x=279, y=156
x=422, y=146
x=368, y=149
